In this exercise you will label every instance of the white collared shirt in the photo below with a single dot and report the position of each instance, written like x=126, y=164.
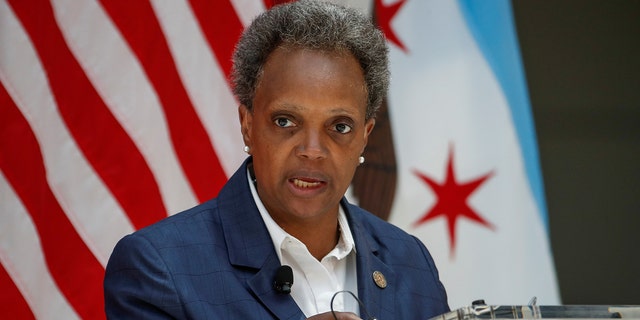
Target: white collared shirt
x=315, y=282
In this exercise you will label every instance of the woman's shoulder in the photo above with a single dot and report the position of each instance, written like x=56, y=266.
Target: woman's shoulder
x=378, y=229
x=188, y=226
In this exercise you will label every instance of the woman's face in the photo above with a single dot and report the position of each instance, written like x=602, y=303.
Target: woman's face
x=306, y=132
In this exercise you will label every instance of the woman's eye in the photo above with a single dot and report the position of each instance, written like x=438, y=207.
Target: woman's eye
x=343, y=128
x=283, y=122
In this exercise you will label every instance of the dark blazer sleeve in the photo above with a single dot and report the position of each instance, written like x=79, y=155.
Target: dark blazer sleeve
x=438, y=291
x=137, y=283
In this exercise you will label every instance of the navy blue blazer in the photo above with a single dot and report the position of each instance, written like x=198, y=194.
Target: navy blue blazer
x=217, y=261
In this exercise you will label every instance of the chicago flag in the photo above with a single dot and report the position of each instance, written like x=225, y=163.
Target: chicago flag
x=469, y=183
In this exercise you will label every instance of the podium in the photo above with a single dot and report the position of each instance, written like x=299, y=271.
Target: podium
x=479, y=310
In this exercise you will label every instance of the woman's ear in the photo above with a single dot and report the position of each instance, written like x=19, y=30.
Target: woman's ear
x=246, y=119
x=368, y=127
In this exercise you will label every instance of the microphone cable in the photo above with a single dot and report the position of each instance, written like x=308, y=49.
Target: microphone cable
x=362, y=307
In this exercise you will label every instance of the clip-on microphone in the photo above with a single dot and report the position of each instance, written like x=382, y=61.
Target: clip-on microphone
x=284, y=279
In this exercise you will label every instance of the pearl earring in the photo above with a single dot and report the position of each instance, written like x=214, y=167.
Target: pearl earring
x=247, y=149
x=361, y=159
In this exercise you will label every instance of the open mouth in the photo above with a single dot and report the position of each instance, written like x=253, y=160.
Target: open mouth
x=305, y=184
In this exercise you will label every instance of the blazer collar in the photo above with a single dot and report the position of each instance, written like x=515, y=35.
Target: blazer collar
x=378, y=301
x=245, y=234
x=250, y=246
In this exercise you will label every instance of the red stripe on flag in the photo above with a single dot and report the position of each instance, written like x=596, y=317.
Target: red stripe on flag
x=102, y=140
x=13, y=304
x=221, y=26
x=139, y=26
x=270, y=3
x=73, y=267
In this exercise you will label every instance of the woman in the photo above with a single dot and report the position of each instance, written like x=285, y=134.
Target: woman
x=309, y=77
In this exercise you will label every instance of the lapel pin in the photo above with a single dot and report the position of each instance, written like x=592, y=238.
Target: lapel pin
x=379, y=279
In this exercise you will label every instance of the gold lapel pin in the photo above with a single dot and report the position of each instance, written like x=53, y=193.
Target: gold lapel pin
x=379, y=279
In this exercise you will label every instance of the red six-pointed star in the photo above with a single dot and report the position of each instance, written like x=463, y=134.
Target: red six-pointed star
x=384, y=14
x=452, y=200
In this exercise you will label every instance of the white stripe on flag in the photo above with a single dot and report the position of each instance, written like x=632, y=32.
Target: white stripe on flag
x=117, y=76
x=21, y=255
x=247, y=9
x=204, y=81
x=89, y=205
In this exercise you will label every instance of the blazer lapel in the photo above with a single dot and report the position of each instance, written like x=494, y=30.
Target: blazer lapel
x=281, y=305
x=378, y=301
x=377, y=293
x=250, y=246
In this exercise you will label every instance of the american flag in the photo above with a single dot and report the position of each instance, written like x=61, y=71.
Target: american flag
x=113, y=115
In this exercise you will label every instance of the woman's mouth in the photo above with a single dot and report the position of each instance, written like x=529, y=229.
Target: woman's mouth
x=306, y=184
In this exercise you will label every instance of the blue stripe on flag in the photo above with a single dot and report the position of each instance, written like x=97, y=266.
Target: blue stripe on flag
x=491, y=24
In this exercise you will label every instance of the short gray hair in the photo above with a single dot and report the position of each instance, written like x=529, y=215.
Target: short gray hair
x=314, y=25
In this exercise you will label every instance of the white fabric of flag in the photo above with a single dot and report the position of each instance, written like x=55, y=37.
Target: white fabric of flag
x=469, y=181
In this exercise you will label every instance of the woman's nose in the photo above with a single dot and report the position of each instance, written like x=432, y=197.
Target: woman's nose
x=312, y=145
